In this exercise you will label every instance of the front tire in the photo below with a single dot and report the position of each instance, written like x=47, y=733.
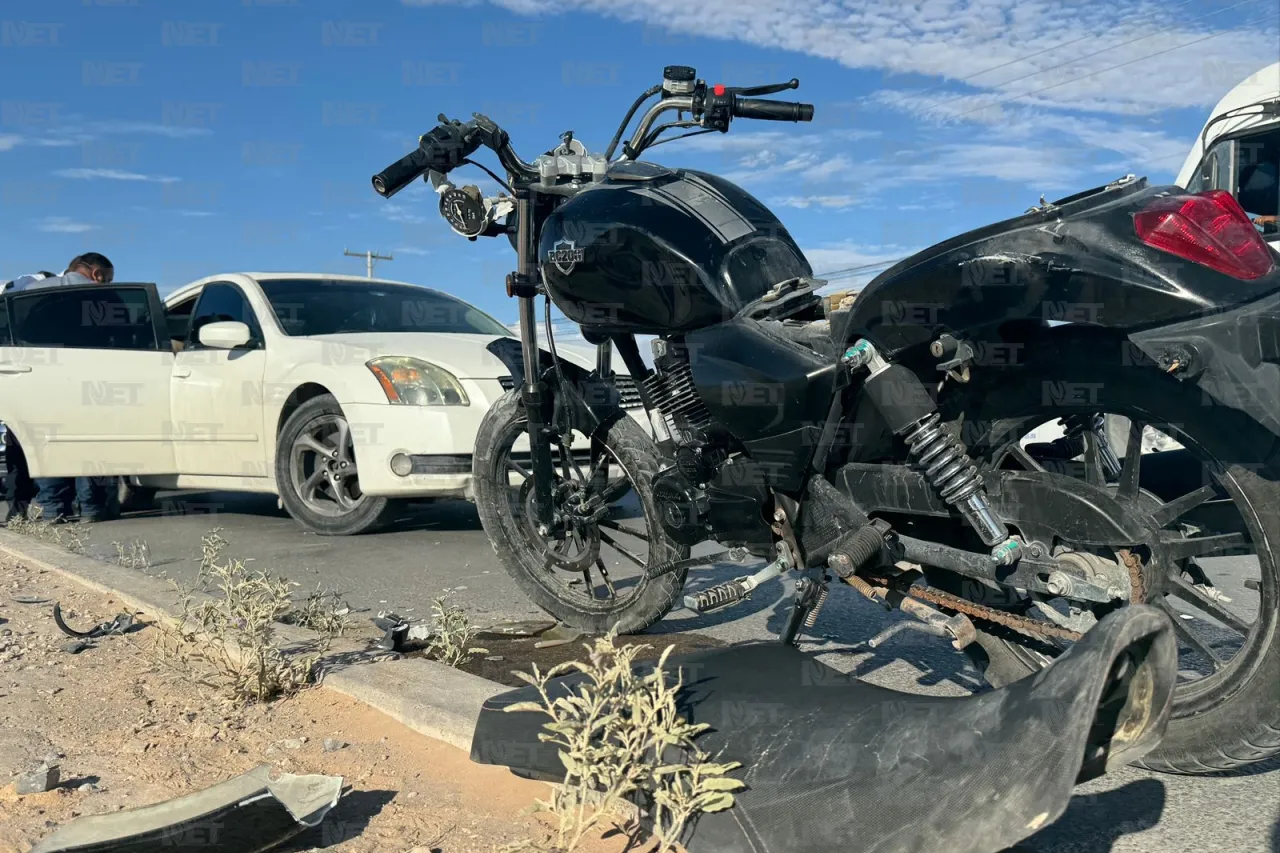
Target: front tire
x=316, y=473
x=527, y=561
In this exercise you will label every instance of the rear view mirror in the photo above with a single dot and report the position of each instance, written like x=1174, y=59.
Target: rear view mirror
x=227, y=334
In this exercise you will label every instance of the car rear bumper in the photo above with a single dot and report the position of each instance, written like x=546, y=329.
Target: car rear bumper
x=1233, y=357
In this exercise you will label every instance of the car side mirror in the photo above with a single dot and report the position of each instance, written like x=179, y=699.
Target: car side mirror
x=226, y=334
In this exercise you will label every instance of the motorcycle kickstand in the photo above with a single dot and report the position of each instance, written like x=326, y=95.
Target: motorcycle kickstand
x=806, y=604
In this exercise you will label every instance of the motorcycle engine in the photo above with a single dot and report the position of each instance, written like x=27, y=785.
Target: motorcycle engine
x=681, y=420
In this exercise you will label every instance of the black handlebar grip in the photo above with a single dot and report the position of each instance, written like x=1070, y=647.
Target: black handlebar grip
x=771, y=110
x=441, y=150
x=401, y=173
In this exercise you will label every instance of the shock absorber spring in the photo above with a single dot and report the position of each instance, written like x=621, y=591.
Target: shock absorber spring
x=951, y=472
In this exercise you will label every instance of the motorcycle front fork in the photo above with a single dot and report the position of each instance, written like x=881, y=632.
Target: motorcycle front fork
x=534, y=392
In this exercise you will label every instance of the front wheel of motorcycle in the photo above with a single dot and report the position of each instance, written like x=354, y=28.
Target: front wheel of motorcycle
x=589, y=572
x=1226, y=711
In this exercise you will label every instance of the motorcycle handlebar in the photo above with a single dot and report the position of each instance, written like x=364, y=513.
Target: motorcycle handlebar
x=441, y=150
x=760, y=108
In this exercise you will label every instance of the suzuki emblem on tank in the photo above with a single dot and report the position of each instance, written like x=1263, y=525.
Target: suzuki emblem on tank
x=565, y=255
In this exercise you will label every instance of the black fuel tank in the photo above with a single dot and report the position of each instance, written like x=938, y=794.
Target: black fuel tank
x=650, y=250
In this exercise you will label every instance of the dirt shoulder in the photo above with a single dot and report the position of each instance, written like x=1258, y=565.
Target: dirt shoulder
x=129, y=728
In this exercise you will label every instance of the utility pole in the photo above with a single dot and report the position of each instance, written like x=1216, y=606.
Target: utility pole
x=369, y=258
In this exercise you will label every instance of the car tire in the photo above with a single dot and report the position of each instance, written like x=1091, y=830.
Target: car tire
x=302, y=498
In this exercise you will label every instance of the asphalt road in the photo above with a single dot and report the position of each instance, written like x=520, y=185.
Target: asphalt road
x=439, y=548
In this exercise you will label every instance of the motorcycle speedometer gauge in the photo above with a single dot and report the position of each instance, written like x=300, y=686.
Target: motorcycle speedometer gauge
x=463, y=209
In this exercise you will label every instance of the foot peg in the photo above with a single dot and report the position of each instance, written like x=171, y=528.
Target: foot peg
x=737, y=590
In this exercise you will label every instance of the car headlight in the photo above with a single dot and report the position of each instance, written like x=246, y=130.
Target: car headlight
x=414, y=382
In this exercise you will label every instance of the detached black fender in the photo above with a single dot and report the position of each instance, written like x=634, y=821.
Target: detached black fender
x=580, y=396
x=1232, y=356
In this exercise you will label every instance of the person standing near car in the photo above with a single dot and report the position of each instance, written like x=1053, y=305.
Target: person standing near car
x=54, y=496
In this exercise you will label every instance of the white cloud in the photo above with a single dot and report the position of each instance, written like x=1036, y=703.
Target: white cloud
x=8, y=141
x=410, y=250
x=199, y=213
x=172, y=131
x=963, y=40
x=826, y=202
x=64, y=225
x=113, y=175
x=846, y=255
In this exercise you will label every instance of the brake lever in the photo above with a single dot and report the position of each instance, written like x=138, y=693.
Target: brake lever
x=771, y=89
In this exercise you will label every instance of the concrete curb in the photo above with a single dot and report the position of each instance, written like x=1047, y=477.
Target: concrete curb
x=428, y=697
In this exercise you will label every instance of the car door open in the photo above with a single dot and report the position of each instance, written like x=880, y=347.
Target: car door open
x=84, y=380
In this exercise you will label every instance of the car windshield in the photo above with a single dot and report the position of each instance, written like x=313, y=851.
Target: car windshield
x=315, y=306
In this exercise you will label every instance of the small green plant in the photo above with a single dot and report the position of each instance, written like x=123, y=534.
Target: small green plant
x=239, y=610
x=135, y=554
x=616, y=732
x=450, y=642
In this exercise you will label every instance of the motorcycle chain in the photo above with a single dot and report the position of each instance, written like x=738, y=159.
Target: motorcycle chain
x=1022, y=624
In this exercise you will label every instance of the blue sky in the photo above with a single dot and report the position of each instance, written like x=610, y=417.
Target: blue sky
x=188, y=138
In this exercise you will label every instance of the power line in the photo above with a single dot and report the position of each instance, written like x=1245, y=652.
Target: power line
x=1105, y=70
x=1038, y=53
x=962, y=96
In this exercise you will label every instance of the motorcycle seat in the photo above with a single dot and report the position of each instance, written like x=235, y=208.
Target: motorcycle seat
x=833, y=763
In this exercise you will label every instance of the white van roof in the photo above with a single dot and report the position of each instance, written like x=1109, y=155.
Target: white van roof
x=1262, y=85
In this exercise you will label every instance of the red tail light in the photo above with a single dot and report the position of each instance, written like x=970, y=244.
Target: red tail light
x=1210, y=229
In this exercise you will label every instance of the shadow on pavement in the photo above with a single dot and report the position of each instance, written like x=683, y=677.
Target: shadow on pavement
x=1093, y=823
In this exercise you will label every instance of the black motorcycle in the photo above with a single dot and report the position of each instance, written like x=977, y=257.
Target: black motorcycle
x=885, y=444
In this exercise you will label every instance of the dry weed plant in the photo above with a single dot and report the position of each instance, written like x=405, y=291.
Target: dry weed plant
x=229, y=619
x=135, y=554
x=622, y=741
x=450, y=642
x=69, y=536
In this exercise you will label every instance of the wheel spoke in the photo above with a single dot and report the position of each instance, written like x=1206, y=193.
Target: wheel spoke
x=608, y=582
x=621, y=549
x=515, y=466
x=615, y=490
x=340, y=495
x=1188, y=636
x=1132, y=462
x=1177, y=508
x=1178, y=549
x=613, y=525
x=1188, y=593
x=312, y=483
x=311, y=443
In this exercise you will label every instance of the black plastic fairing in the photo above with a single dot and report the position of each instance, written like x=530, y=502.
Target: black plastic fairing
x=1077, y=261
x=579, y=395
x=1233, y=356
x=834, y=763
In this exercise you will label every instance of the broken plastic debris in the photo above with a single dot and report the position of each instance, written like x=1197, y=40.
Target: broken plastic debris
x=247, y=814
x=527, y=628
x=119, y=625
x=557, y=636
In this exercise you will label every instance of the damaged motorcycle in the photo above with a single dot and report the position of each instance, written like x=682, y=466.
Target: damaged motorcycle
x=888, y=445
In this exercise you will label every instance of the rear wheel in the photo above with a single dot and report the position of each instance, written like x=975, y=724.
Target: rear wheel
x=589, y=572
x=1213, y=568
x=316, y=473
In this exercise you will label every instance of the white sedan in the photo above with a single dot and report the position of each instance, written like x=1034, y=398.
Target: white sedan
x=338, y=394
